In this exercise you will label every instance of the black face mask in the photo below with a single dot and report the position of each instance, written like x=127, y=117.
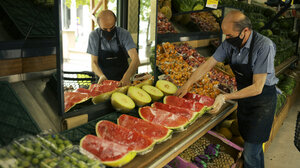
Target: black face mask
x=236, y=41
x=109, y=35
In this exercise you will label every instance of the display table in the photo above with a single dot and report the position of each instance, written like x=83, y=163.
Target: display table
x=163, y=153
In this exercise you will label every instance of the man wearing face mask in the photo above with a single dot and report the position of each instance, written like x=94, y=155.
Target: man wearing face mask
x=251, y=57
x=110, y=47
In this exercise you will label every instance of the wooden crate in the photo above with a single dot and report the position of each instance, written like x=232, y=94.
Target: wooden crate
x=36, y=64
x=10, y=67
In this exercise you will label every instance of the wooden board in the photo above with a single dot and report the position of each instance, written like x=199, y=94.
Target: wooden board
x=160, y=150
x=10, y=67
x=36, y=64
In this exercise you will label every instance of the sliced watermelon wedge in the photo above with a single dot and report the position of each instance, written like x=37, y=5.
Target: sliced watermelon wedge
x=164, y=118
x=205, y=100
x=73, y=98
x=156, y=132
x=190, y=115
x=111, y=82
x=108, y=152
x=184, y=103
x=97, y=89
x=123, y=136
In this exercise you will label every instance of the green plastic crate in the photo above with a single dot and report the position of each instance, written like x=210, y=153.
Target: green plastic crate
x=15, y=120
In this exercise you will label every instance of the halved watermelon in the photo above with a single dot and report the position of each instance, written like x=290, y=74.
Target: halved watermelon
x=184, y=103
x=111, y=82
x=83, y=90
x=190, y=115
x=73, y=98
x=164, y=118
x=109, y=153
x=123, y=136
x=97, y=89
x=205, y=100
x=156, y=132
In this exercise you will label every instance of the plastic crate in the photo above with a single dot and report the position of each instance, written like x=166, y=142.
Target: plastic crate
x=15, y=120
x=297, y=133
x=33, y=21
x=75, y=80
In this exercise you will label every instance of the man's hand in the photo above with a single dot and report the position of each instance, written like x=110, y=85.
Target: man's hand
x=182, y=91
x=125, y=82
x=219, y=101
x=101, y=79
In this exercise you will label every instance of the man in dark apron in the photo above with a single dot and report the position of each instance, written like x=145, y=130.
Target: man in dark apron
x=110, y=47
x=251, y=57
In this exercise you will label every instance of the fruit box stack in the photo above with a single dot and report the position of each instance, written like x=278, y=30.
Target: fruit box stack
x=228, y=151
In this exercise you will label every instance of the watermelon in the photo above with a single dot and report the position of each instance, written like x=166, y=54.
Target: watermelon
x=97, y=89
x=83, y=90
x=111, y=82
x=164, y=118
x=184, y=103
x=205, y=100
x=108, y=152
x=156, y=132
x=124, y=136
x=73, y=98
x=190, y=115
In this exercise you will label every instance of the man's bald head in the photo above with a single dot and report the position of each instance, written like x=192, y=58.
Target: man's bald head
x=106, y=19
x=236, y=21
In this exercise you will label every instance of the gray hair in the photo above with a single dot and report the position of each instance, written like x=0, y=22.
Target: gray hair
x=242, y=24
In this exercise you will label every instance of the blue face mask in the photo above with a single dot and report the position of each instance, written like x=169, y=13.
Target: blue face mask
x=236, y=41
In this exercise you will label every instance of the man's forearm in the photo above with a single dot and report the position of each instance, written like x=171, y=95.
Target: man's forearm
x=132, y=68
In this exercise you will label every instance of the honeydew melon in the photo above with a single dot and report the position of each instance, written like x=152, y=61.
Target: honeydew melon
x=122, y=102
x=139, y=96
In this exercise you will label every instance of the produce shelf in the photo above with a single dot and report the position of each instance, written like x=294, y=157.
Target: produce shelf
x=190, y=36
x=165, y=152
x=280, y=68
x=203, y=10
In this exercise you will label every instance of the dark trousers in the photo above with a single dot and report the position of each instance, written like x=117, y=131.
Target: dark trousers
x=253, y=155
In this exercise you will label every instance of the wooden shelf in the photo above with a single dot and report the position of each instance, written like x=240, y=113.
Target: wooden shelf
x=280, y=68
x=165, y=152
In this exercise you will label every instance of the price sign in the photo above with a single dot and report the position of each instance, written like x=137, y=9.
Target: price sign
x=212, y=4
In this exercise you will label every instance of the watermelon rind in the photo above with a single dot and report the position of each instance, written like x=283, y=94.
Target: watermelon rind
x=163, y=139
x=117, y=163
x=176, y=129
x=139, y=101
x=118, y=105
x=154, y=92
x=140, y=152
x=106, y=96
x=83, y=100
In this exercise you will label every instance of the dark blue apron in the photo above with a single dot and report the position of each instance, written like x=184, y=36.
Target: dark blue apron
x=113, y=65
x=256, y=113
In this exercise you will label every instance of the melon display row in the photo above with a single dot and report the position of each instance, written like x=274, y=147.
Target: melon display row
x=137, y=96
x=117, y=144
x=177, y=113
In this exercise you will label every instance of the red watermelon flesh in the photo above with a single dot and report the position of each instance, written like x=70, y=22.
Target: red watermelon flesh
x=183, y=103
x=162, y=117
x=83, y=90
x=73, y=98
x=153, y=131
x=103, y=149
x=97, y=89
x=174, y=109
x=205, y=100
x=123, y=136
x=111, y=82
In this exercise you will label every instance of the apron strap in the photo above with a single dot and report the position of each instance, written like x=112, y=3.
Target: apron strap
x=251, y=49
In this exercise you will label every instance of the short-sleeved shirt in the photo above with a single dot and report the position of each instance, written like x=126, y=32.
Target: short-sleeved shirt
x=263, y=56
x=124, y=36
